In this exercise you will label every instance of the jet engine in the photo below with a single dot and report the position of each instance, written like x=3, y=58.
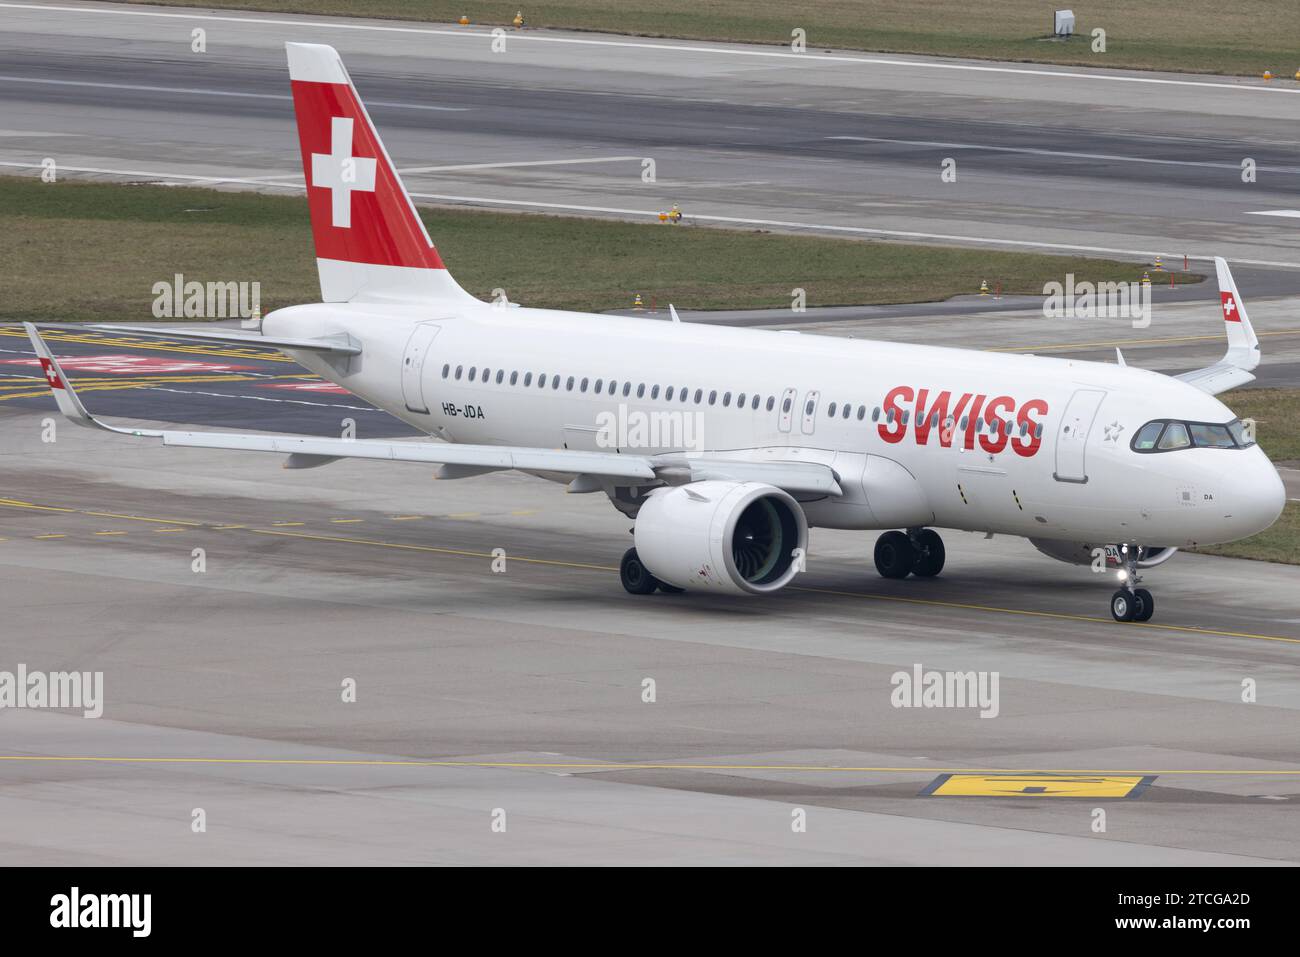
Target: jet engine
x=736, y=537
x=1079, y=553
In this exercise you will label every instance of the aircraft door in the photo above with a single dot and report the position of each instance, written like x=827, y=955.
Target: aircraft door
x=1072, y=437
x=785, y=411
x=809, y=423
x=417, y=350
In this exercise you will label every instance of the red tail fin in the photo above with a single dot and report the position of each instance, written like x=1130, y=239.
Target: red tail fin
x=370, y=243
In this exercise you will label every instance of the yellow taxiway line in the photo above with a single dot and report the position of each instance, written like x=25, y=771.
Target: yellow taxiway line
x=648, y=766
x=466, y=553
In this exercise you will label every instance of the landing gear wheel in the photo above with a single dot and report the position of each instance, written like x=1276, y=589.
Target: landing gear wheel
x=1122, y=605
x=1146, y=605
x=895, y=555
x=636, y=577
x=668, y=589
x=929, y=553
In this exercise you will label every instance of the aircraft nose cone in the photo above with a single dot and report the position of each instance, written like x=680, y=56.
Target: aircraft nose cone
x=1260, y=496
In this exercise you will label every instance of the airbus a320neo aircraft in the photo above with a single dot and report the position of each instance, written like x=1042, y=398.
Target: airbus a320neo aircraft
x=725, y=445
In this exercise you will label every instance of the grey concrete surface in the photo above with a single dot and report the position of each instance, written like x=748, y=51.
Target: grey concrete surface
x=525, y=687
x=522, y=691
x=1110, y=162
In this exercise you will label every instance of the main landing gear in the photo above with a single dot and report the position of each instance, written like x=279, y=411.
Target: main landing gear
x=1131, y=603
x=637, y=579
x=918, y=551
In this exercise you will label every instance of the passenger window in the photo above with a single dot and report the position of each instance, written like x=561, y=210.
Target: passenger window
x=785, y=406
x=1147, y=435
x=599, y=387
x=627, y=389
x=668, y=395
x=862, y=412
x=446, y=369
x=740, y=401
x=640, y=390
x=830, y=411
x=528, y=378
x=699, y=394
x=1175, y=437
x=771, y=401
x=753, y=403
x=654, y=392
x=713, y=396
x=514, y=377
x=555, y=382
x=501, y=374
x=459, y=369
x=472, y=371
x=726, y=400
x=875, y=414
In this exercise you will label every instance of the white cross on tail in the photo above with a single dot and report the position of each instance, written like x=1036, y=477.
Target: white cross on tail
x=340, y=172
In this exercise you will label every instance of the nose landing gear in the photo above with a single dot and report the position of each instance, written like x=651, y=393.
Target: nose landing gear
x=918, y=552
x=1131, y=603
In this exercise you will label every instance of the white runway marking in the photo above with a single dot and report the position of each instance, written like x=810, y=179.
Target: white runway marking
x=699, y=217
x=1032, y=151
x=481, y=36
x=562, y=162
x=195, y=91
x=1288, y=213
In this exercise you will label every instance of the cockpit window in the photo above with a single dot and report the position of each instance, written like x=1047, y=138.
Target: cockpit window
x=1240, y=434
x=1211, y=436
x=1162, y=435
x=1147, y=435
x=1175, y=437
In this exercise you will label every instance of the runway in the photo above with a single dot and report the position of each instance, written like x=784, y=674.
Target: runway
x=1105, y=163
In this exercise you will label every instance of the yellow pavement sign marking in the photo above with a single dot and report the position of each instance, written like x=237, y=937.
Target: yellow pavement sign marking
x=1039, y=785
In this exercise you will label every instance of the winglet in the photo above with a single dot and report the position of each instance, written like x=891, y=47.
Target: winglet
x=1242, y=354
x=1243, y=344
x=68, y=402
x=64, y=395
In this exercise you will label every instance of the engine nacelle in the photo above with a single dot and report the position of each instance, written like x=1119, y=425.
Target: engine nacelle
x=1080, y=553
x=737, y=537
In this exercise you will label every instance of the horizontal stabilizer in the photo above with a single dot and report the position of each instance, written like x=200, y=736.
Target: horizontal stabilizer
x=338, y=345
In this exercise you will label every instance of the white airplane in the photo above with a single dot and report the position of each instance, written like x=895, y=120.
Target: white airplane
x=726, y=445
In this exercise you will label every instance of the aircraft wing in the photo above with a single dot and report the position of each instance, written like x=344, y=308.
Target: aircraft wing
x=1235, y=368
x=457, y=460
x=305, y=451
